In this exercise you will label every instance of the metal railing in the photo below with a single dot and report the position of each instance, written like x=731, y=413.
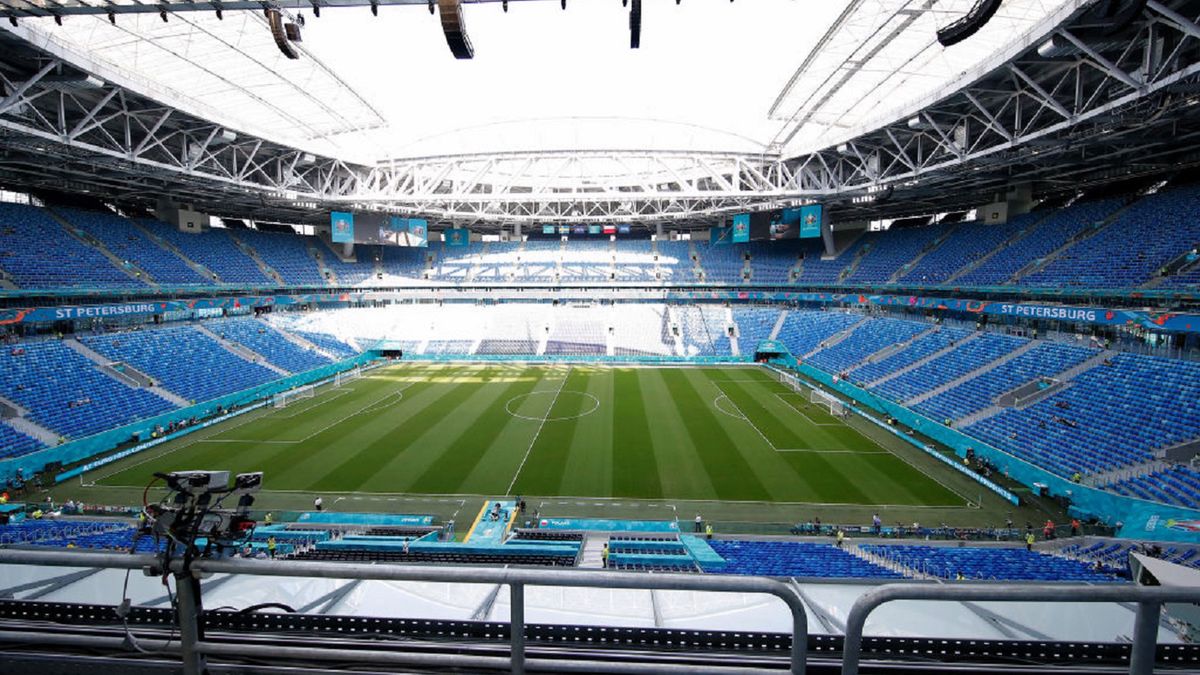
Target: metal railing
x=1149, y=601
x=192, y=649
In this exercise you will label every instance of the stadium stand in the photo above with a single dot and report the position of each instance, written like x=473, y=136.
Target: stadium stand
x=267, y=342
x=892, y=250
x=1179, y=485
x=14, y=443
x=815, y=270
x=214, y=250
x=38, y=253
x=1111, y=416
x=127, y=241
x=287, y=254
x=1001, y=564
x=968, y=243
x=793, y=559
x=754, y=325
x=1047, y=236
x=1044, y=360
x=64, y=391
x=721, y=264
x=773, y=262
x=804, y=331
x=1163, y=226
x=867, y=339
x=968, y=356
x=922, y=347
x=210, y=371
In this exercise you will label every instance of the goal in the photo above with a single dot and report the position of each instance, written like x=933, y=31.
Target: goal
x=285, y=398
x=826, y=400
x=346, y=376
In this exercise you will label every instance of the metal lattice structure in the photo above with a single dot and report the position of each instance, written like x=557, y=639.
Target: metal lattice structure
x=1085, y=103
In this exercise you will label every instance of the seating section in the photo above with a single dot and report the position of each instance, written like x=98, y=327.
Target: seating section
x=126, y=241
x=793, y=559
x=633, y=260
x=705, y=330
x=754, y=325
x=642, y=330
x=586, y=261
x=1045, y=360
x=14, y=443
x=37, y=252
x=675, y=261
x=1044, y=238
x=968, y=243
x=261, y=338
x=1164, y=225
x=57, y=532
x=287, y=254
x=216, y=251
x=979, y=563
x=918, y=349
x=401, y=264
x=210, y=370
x=359, y=273
x=34, y=246
x=1111, y=416
x=1178, y=485
x=892, y=250
x=772, y=262
x=64, y=391
x=868, y=338
x=722, y=264
x=804, y=331
x=814, y=270
x=968, y=356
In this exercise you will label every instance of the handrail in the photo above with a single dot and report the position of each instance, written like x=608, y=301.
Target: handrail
x=1149, y=601
x=516, y=579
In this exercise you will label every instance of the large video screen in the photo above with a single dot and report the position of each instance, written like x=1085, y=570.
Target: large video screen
x=803, y=222
x=378, y=229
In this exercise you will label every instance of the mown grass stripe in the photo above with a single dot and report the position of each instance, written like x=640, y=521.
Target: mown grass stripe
x=544, y=470
x=394, y=437
x=448, y=472
x=634, y=469
x=728, y=470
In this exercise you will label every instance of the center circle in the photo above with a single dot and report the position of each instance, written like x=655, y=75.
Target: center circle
x=550, y=397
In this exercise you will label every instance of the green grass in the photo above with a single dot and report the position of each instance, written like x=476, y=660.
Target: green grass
x=726, y=434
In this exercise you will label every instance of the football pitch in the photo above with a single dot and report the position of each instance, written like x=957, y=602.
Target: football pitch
x=718, y=434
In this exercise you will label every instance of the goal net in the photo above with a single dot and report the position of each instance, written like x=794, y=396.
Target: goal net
x=284, y=398
x=827, y=401
x=347, y=376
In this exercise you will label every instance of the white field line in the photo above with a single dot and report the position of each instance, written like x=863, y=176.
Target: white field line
x=541, y=426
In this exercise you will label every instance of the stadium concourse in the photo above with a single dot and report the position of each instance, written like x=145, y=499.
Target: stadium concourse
x=876, y=342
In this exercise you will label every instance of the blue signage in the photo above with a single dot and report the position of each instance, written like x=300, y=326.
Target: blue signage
x=457, y=236
x=342, y=224
x=741, y=228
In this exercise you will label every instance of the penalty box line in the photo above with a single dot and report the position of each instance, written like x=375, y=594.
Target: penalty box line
x=746, y=418
x=376, y=406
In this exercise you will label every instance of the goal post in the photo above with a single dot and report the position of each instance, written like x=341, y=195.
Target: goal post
x=285, y=398
x=346, y=376
x=788, y=380
x=827, y=401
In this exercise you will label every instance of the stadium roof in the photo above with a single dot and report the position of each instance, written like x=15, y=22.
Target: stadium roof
x=765, y=76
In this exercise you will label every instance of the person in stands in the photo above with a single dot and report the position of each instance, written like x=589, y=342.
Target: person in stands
x=699, y=524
